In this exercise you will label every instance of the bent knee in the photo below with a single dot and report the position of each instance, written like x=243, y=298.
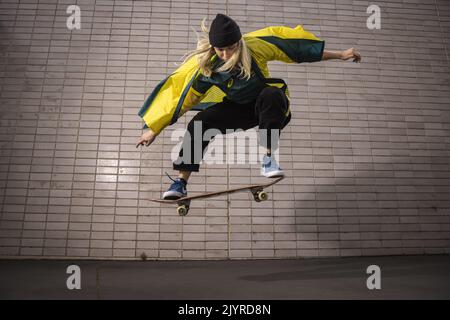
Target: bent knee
x=272, y=91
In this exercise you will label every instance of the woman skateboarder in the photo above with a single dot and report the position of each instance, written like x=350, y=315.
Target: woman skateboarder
x=227, y=78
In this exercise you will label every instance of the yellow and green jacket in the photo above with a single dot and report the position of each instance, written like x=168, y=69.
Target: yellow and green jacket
x=172, y=97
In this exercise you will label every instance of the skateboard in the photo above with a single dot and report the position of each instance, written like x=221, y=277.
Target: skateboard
x=257, y=191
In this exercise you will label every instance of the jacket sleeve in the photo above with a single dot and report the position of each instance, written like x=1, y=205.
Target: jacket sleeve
x=158, y=119
x=287, y=44
x=158, y=110
x=193, y=97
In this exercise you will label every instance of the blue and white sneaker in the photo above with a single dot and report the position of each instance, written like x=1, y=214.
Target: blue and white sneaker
x=176, y=190
x=270, y=168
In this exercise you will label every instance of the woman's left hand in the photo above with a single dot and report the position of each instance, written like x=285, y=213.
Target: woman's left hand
x=351, y=53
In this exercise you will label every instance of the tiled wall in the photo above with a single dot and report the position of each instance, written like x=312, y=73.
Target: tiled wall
x=366, y=153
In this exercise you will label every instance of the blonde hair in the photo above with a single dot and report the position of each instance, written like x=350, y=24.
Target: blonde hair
x=241, y=58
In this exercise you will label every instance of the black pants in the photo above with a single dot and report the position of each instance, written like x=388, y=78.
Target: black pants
x=268, y=112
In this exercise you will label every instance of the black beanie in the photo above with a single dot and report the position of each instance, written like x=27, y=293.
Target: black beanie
x=224, y=31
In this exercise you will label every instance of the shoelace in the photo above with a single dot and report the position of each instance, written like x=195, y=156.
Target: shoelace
x=170, y=177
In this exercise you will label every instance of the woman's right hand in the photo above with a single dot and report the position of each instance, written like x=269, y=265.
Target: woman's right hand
x=147, y=138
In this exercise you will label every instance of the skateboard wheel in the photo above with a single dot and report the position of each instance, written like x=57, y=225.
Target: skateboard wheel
x=262, y=196
x=182, y=210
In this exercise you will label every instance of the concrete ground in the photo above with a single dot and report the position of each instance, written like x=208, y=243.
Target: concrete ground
x=402, y=277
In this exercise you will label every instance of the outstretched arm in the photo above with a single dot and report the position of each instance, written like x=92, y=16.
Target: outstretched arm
x=343, y=55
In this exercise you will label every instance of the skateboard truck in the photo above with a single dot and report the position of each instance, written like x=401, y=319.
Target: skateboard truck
x=259, y=194
x=183, y=207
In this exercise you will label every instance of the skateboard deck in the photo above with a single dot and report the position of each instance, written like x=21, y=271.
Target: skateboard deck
x=257, y=191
